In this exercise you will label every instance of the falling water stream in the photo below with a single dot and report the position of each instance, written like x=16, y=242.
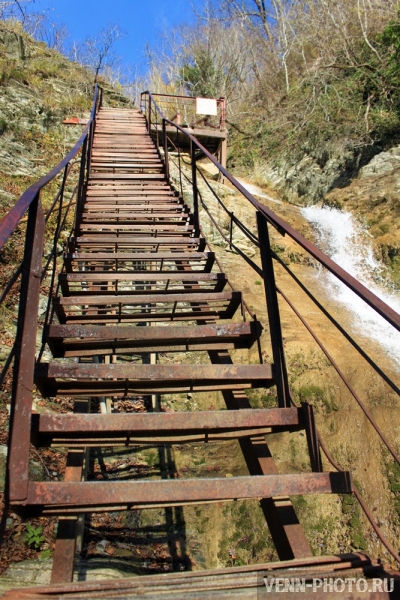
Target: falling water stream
x=348, y=243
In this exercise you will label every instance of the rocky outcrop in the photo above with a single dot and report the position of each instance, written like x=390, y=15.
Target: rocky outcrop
x=318, y=171
x=365, y=182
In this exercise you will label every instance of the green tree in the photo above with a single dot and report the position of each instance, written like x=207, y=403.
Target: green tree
x=200, y=76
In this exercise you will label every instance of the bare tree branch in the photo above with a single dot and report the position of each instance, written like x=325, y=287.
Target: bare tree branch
x=96, y=52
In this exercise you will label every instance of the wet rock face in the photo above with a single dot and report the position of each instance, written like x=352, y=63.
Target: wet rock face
x=366, y=182
x=382, y=163
x=309, y=179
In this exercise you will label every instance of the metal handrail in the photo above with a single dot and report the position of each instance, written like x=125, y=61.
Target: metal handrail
x=284, y=228
x=186, y=101
x=10, y=221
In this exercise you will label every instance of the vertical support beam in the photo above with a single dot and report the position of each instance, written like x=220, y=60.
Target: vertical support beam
x=21, y=405
x=100, y=90
x=312, y=438
x=155, y=398
x=149, y=116
x=157, y=132
x=65, y=547
x=90, y=145
x=223, y=153
x=222, y=117
x=165, y=143
x=195, y=191
x=271, y=295
x=81, y=185
x=286, y=531
x=69, y=526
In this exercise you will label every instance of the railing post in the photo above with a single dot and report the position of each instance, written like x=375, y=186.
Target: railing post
x=157, y=133
x=231, y=229
x=21, y=406
x=222, y=117
x=89, y=149
x=81, y=183
x=280, y=372
x=149, y=116
x=165, y=143
x=180, y=166
x=195, y=191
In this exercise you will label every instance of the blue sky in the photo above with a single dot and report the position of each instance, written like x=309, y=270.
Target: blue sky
x=144, y=21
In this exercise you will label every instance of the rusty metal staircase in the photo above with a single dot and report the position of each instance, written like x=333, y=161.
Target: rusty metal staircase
x=139, y=279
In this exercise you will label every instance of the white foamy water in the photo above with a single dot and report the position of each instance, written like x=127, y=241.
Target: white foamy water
x=348, y=243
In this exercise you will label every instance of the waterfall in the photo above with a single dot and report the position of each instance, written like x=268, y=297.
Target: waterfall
x=348, y=243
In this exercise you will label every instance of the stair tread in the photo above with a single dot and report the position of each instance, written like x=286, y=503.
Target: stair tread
x=121, y=380
x=140, y=256
x=140, y=276
x=86, y=340
x=92, y=215
x=169, y=422
x=126, y=176
x=82, y=239
x=149, y=298
x=141, y=372
x=125, y=165
x=150, y=334
x=156, y=492
x=158, y=227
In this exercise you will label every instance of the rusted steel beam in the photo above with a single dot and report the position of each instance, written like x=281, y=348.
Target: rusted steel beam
x=128, y=349
x=175, y=216
x=160, y=228
x=64, y=550
x=65, y=547
x=154, y=439
x=158, y=423
x=282, y=383
x=192, y=277
x=287, y=534
x=143, y=334
x=156, y=261
x=124, y=176
x=202, y=313
x=246, y=582
x=148, y=373
x=146, y=298
x=138, y=242
x=312, y=437
x=113, y=493
x=123, y=379
x=18, y=455
x=68, y=340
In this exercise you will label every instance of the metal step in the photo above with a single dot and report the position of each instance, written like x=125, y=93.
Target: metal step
x=121, y=380
x=113, y=243
x=81, y=340
x=91, y=430
x=147, y=308
x=150, y=262
x=123, y=495
x=91, y=283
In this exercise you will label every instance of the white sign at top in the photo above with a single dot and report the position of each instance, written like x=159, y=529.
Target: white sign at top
x=206, y=106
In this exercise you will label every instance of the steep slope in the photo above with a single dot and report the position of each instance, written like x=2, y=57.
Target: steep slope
x=39, y=88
